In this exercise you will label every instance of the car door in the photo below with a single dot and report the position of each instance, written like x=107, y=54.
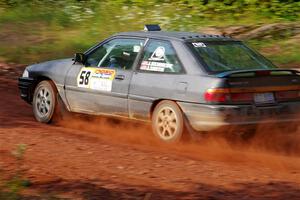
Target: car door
x=159, y=75
x=101, y=84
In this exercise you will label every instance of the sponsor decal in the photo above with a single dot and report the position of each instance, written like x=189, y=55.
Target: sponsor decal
x=126, y=53
x=95, y=78
x=136, y=48
x=83, y=78
x=158, y=54
x=155, y=66
x=157, y=61
x=198, y=44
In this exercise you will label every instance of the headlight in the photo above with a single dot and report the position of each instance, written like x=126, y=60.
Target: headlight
x=25, y=74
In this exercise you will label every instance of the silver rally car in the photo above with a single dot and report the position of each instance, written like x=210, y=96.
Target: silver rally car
x=175, y=80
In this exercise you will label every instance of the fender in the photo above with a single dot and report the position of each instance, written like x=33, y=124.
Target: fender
x=55, y=71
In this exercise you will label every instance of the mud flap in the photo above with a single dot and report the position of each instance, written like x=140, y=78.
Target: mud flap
x=191, y=134
x=61, y=112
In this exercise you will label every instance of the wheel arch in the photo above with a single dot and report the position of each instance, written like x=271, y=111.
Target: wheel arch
x=39, y=79
x=186, y=120
x=61, y=105
x=183, y=134
x=156, y=102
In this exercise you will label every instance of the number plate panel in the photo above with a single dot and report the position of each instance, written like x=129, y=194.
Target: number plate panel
x=264, y=98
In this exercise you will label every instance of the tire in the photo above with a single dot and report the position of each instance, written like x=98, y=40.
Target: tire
x=44, y=101
x=168, y=122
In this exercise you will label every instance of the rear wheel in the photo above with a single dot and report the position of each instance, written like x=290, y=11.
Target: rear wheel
x=168, y=121
x=44, y=101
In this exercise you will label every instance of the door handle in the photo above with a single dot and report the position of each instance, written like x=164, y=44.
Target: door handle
x=120, y=77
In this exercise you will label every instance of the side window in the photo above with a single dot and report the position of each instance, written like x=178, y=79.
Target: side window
x=95, y=57
x=117, y=53
x=160, y=56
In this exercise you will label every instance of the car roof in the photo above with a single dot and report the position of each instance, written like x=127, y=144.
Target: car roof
x=173, y=35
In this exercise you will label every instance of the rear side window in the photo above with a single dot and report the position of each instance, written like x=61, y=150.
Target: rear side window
x=160, y=56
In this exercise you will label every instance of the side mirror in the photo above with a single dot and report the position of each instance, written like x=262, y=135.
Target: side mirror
x=79, y=58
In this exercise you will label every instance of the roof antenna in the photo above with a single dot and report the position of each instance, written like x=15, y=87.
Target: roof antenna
x=152, y=27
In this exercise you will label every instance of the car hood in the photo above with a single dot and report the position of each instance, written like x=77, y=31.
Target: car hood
x=49, y=64
x=55, y=70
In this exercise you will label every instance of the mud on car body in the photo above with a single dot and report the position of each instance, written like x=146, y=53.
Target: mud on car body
x=174, y=80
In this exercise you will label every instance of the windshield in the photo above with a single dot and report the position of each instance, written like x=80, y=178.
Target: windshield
x=228, y=56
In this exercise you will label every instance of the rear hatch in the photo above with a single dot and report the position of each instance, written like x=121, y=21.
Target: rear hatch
x=259, y=87
x=245, y=76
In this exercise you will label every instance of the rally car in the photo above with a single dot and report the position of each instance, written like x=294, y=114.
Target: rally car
x=174, y=80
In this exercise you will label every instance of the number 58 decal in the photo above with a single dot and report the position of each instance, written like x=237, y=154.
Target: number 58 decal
x=83, y=79
x=96, y=79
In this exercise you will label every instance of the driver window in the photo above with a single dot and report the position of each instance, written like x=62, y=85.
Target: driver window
x=117, y=53
x=94, y=58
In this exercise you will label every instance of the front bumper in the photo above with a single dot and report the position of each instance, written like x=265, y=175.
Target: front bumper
x=26, y=86
x=204, y=117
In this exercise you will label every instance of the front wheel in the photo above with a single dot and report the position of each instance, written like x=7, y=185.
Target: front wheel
x=168, y=121
x=44, y=101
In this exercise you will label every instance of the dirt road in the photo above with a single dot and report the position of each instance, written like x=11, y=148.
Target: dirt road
x=94, y=158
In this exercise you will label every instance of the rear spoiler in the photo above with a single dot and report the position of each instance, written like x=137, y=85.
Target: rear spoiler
x=257, y=72
x=297, y=69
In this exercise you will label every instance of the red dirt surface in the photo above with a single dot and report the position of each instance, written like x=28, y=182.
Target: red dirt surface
x=95, y=158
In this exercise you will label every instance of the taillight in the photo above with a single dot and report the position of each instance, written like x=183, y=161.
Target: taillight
x=287, y=95
x=217, y=95
x=225, y=95
x=221, y=95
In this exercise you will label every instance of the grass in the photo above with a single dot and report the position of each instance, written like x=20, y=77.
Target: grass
x=39, y=33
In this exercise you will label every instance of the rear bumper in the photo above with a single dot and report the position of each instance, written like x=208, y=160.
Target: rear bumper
x=26, y=86
x=212, y=117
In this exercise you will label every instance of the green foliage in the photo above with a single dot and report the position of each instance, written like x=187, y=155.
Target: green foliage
x=19, y=152
x=69, y=12
x=47, y=29
x=176, y=14
x=10, y=189
x=283, y=51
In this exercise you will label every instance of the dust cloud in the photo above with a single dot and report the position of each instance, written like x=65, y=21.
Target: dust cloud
x=271, y=146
